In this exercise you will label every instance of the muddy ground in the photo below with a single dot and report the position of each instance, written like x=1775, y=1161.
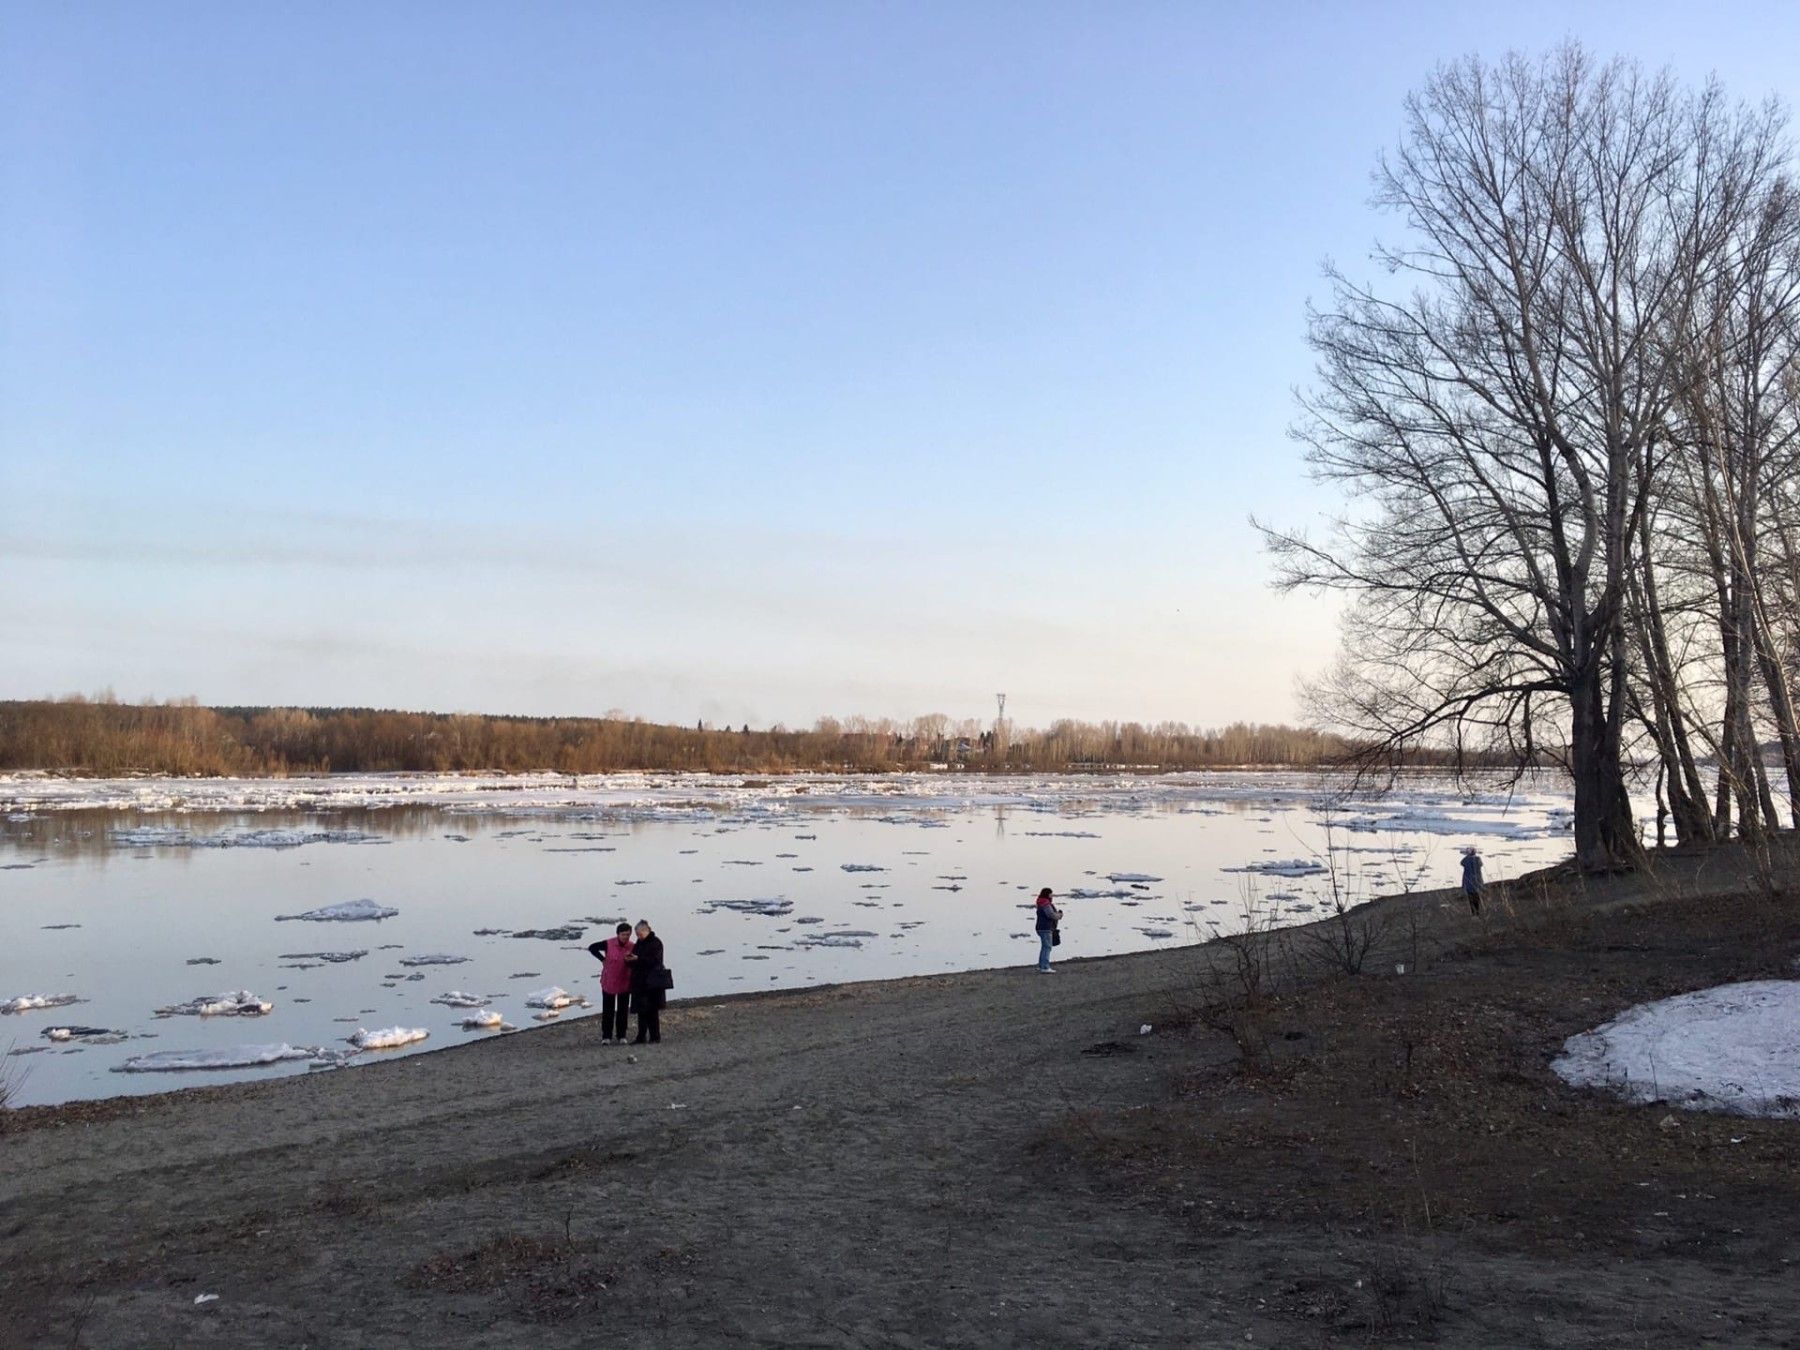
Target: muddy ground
x=1295, y=1156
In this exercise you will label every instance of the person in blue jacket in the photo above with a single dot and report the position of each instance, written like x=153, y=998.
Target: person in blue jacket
x=1048, y=915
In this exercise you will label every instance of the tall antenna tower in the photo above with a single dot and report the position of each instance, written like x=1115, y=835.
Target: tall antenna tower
x=1000, y=725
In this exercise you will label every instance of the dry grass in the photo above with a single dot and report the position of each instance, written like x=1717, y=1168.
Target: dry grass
x=1418, y=1104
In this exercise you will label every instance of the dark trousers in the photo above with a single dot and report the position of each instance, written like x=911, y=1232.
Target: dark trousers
x=613, y=1006
x=648, y=1007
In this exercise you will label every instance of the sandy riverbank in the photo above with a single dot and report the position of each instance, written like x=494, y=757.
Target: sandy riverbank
x=986, y=1159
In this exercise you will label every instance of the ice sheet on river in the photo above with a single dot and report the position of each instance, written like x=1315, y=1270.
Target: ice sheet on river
x=704, y=798
x=350, y=911
x=768, y=908
x=554, y=998
x=1282, y=867
x=387, y=1038
x=31, y=1002
x=174, y=836
x=457, y=999
x=231, y=1003
x=223, y=1057
x=1733, y=1048
x=333, y=958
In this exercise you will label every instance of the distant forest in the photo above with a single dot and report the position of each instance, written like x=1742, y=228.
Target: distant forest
x=103, y=736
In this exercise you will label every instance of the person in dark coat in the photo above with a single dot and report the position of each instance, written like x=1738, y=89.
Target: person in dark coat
x=1472, y=883
x=646, y=961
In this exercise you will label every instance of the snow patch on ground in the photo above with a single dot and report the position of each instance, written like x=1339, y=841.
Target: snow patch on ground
x=1734, y=1048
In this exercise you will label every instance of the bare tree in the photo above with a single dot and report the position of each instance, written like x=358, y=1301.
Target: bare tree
x=1498, y=427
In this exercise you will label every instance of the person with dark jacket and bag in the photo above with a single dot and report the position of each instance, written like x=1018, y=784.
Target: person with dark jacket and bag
x=1048, y=916
x=650, y=983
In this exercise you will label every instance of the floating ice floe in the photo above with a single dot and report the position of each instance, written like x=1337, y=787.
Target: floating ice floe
x=852, y=939
x=1281, y=867
x=1733, y=1048
x=435, y=959
x=223, y=1057
x=349, y=911
x=457, y=999
x=483, y=1021
x=231, y=1003
x=95, y=1035
x=1425, y=821
x=768, y=908
x=567, y=933
x=333, y=958
x=861, y=867
x=174, y=836
x=555, y=998
x=1121, y=878
x=387, y=1038
x=29, y=1002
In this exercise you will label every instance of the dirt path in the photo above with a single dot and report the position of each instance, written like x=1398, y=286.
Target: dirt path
x=869, y=1165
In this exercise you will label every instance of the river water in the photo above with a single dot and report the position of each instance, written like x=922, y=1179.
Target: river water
x=135, y=895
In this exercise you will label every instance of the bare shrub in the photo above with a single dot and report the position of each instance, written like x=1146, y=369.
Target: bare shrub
x=1231, y=985
x=13, y=1073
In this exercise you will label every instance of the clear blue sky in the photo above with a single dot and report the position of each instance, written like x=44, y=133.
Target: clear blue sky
x=746, y=361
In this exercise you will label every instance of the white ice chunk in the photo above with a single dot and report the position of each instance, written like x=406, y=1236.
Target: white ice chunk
x=1281, y=867
x=230, y=1003
x=1733, y=1048
x=387, y=1038
x=554, y=997
x=1118, y=877
x=482, y=1021
x=768, y=908
x=347, y=912
x=1422, y=820
x=27, y=1002
x=435, y=959
x=457, y=999
x=225, y=1057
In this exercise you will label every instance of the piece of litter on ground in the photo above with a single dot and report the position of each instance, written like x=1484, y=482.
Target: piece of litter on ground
x=1145, y=1030
x=206, y=1298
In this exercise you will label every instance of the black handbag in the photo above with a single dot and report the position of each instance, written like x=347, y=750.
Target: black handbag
x=1056, y=937
x=662, y=979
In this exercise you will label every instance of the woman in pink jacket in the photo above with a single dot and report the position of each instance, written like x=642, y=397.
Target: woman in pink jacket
x=615, y=983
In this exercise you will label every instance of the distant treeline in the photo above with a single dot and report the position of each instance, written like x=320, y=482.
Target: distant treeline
x=101, y=736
